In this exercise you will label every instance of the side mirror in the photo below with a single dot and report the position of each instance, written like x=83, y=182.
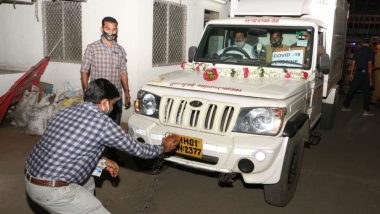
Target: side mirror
x=324, y=63
x=192, y=52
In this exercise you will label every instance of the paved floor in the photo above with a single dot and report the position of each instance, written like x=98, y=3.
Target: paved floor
x=339, y=176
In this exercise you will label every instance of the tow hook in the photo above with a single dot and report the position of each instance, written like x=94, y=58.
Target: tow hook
x=227, y=179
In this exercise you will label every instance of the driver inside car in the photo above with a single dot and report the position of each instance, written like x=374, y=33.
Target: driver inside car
x=241, y=48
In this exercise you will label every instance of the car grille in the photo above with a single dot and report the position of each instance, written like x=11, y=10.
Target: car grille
x=197, y=114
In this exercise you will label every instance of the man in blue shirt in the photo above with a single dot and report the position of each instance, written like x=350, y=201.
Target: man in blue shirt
x=58, y=170
x=362, y=77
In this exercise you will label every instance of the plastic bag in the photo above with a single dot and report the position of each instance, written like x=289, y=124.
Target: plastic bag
x=70, y=91
x=40, y=115
x=39, y=119
x=23, y=107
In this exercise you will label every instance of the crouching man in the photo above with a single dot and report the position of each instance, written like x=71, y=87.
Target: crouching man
x=59, y=169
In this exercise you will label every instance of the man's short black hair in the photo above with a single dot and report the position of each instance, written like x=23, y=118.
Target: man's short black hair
x=240, y=31
x=109, y=19
x=273, y=32
x=100, y=89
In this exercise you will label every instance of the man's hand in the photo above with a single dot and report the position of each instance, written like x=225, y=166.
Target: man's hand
x=84, y=79
x=127, y=100
x=170, y=142
x=124, y=83
x=112, y=167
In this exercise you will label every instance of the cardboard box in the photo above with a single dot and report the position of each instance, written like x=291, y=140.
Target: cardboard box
x=45, y=89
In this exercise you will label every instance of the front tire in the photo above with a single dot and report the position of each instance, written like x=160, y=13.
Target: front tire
x=281, y=193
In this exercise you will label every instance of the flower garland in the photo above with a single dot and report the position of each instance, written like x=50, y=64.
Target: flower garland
x=211, y=73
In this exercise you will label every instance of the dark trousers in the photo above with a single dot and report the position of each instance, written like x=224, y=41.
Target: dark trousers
x=116, y=112
x=361, y=80
x=110, y=152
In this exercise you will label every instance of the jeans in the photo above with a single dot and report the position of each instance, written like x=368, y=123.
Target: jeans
x=115, y=115
x=361, y=80
x=73, y=198
x=116, y=112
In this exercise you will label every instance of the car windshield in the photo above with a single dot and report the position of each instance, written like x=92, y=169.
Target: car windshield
x=257, y=46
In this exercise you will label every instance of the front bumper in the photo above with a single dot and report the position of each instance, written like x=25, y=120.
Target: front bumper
x=222, y=153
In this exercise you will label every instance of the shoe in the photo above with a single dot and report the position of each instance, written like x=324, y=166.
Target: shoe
x=368, y=113
x=345, y=109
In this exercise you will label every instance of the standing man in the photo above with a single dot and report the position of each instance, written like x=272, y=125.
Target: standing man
x=59, y=168
x=361, y=78
x=105, y=58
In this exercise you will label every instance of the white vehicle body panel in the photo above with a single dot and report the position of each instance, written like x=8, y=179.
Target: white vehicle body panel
x=263, y=88
x=222, y=145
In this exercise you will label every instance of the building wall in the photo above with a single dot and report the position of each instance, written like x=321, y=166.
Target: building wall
x=20, y=36
x=22, y=39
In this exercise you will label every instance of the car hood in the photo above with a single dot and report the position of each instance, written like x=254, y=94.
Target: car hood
x=271, y=88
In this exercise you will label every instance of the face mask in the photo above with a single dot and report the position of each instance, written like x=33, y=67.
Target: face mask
x=109, y=36
x=239, y=44
x=276, y=43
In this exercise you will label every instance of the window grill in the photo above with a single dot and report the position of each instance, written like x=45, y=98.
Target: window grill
x=360, y=26
x=169, y=33
x=62, y=30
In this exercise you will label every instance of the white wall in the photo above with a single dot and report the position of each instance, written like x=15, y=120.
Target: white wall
x=22, y=39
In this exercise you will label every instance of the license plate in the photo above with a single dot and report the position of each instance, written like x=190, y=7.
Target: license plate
x=190, y=146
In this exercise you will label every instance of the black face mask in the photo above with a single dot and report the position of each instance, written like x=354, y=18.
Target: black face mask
x=276, y=44
x=109, y=36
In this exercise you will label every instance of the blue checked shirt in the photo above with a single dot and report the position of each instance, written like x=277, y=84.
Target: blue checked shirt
x=71, y=146
x=105, y=62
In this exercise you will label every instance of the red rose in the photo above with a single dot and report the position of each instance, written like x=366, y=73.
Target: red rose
x=183, y=64
x=246, y=72
x=305, y=74
x=210, y=74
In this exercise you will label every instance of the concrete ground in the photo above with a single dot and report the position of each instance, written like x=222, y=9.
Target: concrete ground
x=339, y=176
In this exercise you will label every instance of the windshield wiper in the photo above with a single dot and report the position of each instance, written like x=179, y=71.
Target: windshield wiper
x=256, y=62
x=232, y=60
x=206, y=60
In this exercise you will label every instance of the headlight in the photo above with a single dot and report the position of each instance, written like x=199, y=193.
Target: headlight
x=147, y=104
x=260, y=120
